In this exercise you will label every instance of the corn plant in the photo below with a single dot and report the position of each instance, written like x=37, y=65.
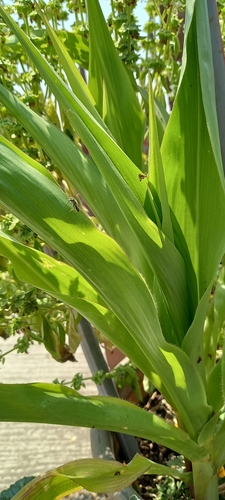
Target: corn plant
x=143, y=270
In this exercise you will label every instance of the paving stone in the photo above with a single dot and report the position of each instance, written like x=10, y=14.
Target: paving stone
x=31, y=449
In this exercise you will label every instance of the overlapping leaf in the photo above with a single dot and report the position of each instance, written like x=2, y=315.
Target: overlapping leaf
x=161, y=259
x=57, y=404
x=96, y=256
x=66, y=284
x=156, y=173
x=107, y=74
x=192, y=170
x=95, y=475
x=75, y=79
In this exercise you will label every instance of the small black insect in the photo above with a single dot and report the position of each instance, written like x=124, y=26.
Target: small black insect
x=142, y=176
x=117, y=473
x=74, y=202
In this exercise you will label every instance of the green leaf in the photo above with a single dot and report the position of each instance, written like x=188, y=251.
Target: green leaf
x=72, y=332
x=218, y=445
x=75, y=79
x=195, y=191
x=161, y=114
x=113, y=476
x=48, y=486
x=223, y=373
x=193, y=340
x=156, y=173
x=123, y=113
x=206, y=71
x=214, y=388
x=76, y=238
x=93, y=474
x=77, y=167
x=186, y=379
x=77, y=46
x=57, y=404
x=27, y=158
x=205, y=471
x=51, y=340
x=213, y=334
x=212, y=488
x=66, y=284
x=206, y=435
x=149, y=253
x=162, y=257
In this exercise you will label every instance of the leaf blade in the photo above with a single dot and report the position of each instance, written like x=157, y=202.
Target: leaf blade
x=95, y=475
x=54, y=221
x=124, y=115
x=190, y=163
x=63, y=282
x=40, y=402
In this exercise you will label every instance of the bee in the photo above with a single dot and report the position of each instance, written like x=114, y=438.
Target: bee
x=75, y=204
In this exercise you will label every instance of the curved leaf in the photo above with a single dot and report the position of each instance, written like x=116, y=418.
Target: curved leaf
x=123, y=113
x=96, y=256
x=156, y=173
x=33, y=163
x=75, y=79
x=57, y=404
x=215, y=398
x=206, y=72
x=66, y=284
x=161, y=259
x=94, y=475
x=195, y=191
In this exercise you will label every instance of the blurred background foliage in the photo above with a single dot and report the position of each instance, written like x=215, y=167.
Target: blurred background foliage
x=156, y=47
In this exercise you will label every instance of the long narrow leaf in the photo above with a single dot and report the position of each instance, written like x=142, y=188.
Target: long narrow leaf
x=215, y=398
x=72, y=105
x=56, y=404
x=96, y=256
x=218, y=445
x=94, y=475
x=206, y=71
x=156, y=173
x=124, y=115
x=195, y=191
x=66, y=284
x=48, y=486
x=80, y=170
x=75, y=79
x=71, y=233
x=27, y=158
x=166, y=263
x=192, y=343
x=77, y=167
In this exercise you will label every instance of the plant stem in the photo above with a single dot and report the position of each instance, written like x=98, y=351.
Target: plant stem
x=128, y=22
x=7, y=352
x=113, y=16
x=205, y=485
x=81, y=12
